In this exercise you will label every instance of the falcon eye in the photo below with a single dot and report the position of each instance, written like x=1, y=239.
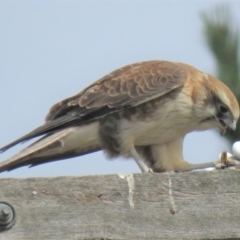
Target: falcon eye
x=223, y=109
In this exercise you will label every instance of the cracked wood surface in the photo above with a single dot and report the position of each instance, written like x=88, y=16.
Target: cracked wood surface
x=196, y=205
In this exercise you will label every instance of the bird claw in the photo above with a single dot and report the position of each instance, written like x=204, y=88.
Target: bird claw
x=149, y=170
x=226, y=160
x=220, y=166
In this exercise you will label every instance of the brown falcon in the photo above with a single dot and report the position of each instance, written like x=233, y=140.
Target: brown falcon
x=143, y=110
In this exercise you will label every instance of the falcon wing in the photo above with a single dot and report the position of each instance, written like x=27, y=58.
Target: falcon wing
x=126, y=87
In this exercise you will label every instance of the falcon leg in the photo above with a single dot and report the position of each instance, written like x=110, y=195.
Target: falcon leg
x=144, y=168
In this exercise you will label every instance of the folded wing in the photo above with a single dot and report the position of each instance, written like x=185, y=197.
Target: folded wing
x=126, y=87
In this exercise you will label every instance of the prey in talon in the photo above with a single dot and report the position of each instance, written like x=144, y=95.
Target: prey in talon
x=141, y=111
x=230, y=160
x=226, y=160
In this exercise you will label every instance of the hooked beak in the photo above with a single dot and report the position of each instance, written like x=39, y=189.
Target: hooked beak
x=227, y=124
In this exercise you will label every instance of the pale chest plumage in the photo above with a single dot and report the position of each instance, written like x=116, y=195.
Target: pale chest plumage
x=167, y=121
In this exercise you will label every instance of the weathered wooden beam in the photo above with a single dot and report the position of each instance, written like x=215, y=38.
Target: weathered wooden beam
x=196, y=205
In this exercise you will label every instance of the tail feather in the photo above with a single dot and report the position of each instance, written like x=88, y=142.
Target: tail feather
x=47, y=128
x=68, y=143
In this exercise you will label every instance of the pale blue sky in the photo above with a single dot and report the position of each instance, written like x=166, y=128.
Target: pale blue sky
x=50, y=50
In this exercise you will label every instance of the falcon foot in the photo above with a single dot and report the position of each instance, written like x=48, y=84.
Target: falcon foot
x=226, y=160
x=149, y=170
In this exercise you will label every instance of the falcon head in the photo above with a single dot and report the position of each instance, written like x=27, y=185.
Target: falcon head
x=220, y=106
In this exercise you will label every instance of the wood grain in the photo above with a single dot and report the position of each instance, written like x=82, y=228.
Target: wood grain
x=196, y=205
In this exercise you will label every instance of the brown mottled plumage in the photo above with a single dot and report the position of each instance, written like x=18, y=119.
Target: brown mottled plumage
x=142, y=110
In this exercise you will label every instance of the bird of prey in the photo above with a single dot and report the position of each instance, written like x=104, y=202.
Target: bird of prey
x=143, y=110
